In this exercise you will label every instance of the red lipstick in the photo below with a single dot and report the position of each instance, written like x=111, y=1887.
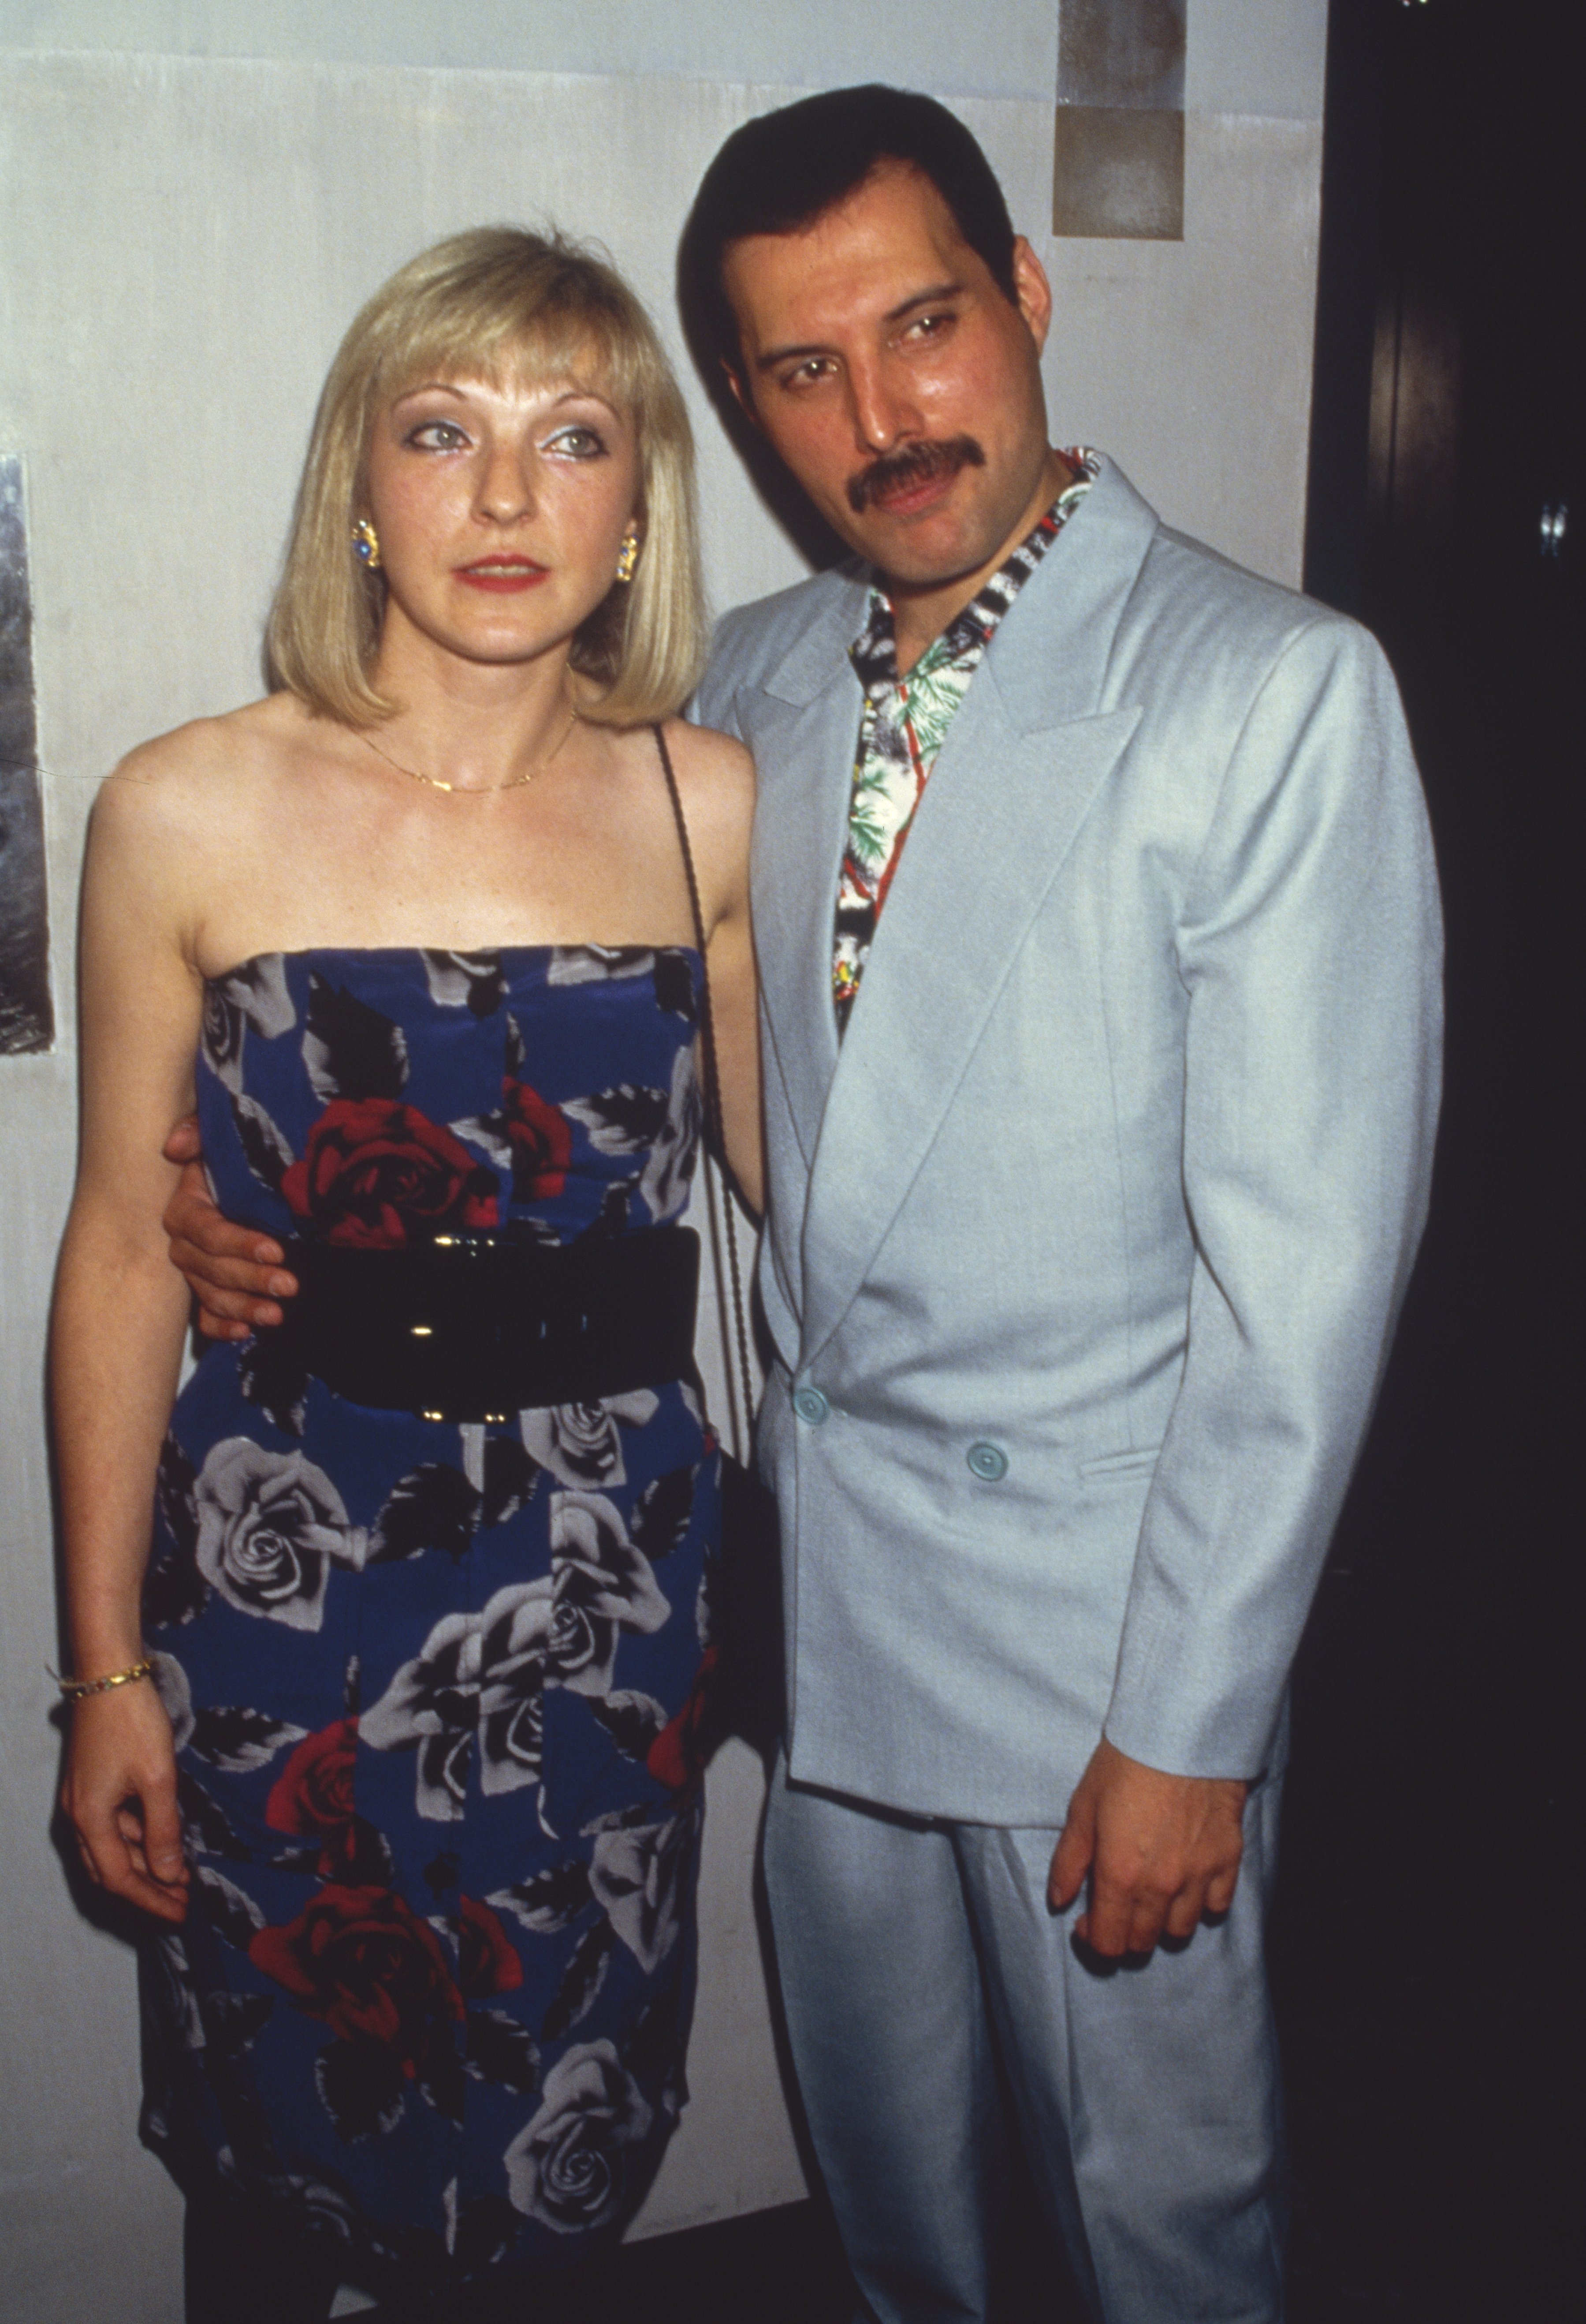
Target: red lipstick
x=501, y=576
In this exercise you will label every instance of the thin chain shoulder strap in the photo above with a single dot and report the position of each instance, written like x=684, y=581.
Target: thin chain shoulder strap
x=713, y=1086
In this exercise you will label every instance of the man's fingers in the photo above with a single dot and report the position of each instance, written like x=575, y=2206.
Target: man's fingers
x=1162, y=1850
x=231, y=1289
x=1146, y=1925
x=216, y=1327
x=190, y=1198
x=183, y=1143
x=1183, y=1916
x=1105, y=1925
x=1220, y=1890
x=1070, y=1862
x=1071, y=1858
x=242, y=1271
x=235, y=1296
x=210, y=1245
x=207, y=1235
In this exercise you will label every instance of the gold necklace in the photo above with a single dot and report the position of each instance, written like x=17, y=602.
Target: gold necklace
x=468, y=790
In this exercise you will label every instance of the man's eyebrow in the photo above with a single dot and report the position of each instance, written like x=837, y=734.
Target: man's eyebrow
x=923, y=298
x=927, y=298
x=775, y=356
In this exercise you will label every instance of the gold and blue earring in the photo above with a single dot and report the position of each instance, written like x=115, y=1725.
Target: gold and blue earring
x=366, y=545
x=628, y=558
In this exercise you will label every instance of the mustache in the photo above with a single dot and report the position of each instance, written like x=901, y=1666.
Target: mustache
x=912, y=464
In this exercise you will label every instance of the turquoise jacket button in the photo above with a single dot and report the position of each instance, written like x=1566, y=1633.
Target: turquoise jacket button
x=810, y=1406
x=987, y=1461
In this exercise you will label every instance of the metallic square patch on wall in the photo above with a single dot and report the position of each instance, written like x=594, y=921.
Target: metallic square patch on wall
x=1118, y=170
x=27, y=1017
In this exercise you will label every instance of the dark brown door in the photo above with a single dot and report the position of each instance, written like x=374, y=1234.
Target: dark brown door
x=1427, y=1940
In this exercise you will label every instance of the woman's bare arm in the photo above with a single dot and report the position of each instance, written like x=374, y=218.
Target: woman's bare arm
x=117, y=1324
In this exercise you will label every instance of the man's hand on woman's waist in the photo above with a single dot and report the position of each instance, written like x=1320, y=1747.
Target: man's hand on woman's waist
x=235, y=1273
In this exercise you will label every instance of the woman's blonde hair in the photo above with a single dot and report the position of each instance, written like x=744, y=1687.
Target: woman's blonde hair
x=494, y=304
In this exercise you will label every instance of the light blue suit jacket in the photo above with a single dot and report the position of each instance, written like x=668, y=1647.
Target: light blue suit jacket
x=1119, y=1172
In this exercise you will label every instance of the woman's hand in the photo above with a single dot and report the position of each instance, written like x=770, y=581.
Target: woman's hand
x=120, y=1796
x=235, y=1273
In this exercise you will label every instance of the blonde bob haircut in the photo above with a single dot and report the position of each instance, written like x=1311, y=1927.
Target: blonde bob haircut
x=496, y=304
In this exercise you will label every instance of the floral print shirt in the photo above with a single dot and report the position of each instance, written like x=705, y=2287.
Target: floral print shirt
x=904, y=724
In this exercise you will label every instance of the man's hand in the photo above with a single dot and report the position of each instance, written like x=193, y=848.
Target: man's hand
x=1161, y=1851
x=234, y=1274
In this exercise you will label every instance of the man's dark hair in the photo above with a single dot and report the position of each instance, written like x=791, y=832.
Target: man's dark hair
x=784, y=170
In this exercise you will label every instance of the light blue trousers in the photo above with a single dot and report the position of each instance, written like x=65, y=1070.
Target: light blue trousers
x=917, y=1961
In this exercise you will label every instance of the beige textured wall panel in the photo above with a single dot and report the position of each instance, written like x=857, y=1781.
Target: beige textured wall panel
x=1191, y=362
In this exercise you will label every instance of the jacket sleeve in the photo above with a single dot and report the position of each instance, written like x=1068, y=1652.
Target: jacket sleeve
x=1310, y=951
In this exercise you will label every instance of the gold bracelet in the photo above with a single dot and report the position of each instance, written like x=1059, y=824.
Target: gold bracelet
x=74, y=1689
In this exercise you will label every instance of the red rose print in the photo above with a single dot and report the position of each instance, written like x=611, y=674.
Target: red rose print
x=314, y=1790
x=487, y=1961
x=541, y=1139
x=678, y=1757
x=313, y=1795
x=362, y=1961
x=376, y=1171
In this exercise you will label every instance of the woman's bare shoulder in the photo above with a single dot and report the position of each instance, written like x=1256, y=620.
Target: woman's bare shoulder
x=714, y=764
x=179, y=811
x=201, y=780
x=236, y=747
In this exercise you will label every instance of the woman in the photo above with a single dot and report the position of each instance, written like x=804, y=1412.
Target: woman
x=406, y=1789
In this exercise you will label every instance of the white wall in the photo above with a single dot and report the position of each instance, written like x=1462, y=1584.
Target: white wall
x=193, y=199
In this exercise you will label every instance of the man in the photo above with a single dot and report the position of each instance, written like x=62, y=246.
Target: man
x=1098, y=1128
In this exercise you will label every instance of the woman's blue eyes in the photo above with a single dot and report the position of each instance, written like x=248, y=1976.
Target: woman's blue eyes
x=577, y=443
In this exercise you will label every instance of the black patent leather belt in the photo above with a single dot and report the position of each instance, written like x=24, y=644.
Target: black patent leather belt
x=475, y=1327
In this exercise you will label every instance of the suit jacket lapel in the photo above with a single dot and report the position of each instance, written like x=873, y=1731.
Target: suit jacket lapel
x=1028, y=752
x=975, y=868
x=802, y=726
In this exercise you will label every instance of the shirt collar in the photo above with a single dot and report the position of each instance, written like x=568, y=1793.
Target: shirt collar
x=874, y=651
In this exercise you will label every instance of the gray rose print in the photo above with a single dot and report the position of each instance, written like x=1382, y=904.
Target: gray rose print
x=579, y=1444
x=566, y=2167
x=177, y=1998
x=256, y=994
x=640, y=1875
x=271, y=1526
x=465, y=980
x=431, y=1707
x=560, y=1631
x=602, y=1584
x=514, y=1672
x=669, y=1171
x=594, y=963
x=176, y=1698
x=486, y=1674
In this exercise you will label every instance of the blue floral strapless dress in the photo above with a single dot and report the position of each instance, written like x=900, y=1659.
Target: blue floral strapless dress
x=438, y=1689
